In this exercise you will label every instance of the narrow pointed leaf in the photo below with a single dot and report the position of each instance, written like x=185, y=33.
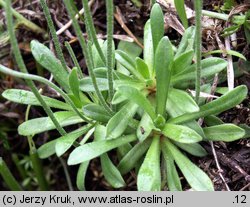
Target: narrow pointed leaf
x=224, y=132
x=47, y=149
x=210, y=66
x=180, y=102
x=163, y=66
x=28, y=98
x=181, y=134
x=129, y=161
x=173, y=179
x=74, y=83
x=188, y=34
x=149, y=176
x=119, y=122
x=65, y=142
x=142, y=68
x=86, y=84
x=157, y=24
x=91, y=150
x=225, y=102
x=110, y=171
x=46, y=58
x=39, y=125
x=148, y=51
x=145, y=127
x=196, y=178
x=193, y=148
x=81, y=173
x=137, y=97
x=212, y=120
x=180, y=7
x=96, y=112
x=128, y=63
x=182, y=62
x=131, y=49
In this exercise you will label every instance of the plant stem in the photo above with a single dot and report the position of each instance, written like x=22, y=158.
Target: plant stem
x=73, y=57
x=8, y=177
x=35, y=160
x=30, y=77
x=66, y=172
x=38, y=169
x=215, y=15
x=24, y=21
x=109, y=61
x=23, y=68
x=87, y=56
x=53, y=34
x=91, y=29
x=198, y=7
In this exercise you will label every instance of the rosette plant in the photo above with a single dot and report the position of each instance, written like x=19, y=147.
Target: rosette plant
x=139, y=109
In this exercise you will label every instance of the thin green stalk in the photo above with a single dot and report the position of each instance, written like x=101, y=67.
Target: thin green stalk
x=38, y=169
x=73, y=57
x=24, y=21
x=198, y=8
x=109, y=61
x=86, y=55
x=215, y=15
x=66, y=172
x=35, y=160
x=53, y=34
x=23, y=68
x=8, y=177
x=30, y=77
x=91, y=29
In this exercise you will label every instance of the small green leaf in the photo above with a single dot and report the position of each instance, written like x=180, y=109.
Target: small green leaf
x=229, y=52
x=128, y=63
x=181, y=134
x=131, y=49
x=129, y=161
x=81, y=173
x=96, y=112
x=194, y=149
x=137, y=97
x=210, y=66
x=148, y=51
x=65, y=142
x=145, y=127
x=149, y=176
x=246, y=129
x=185, y=41
x=74, y=83
x=163, y=66
x=180, y=8
x=94, y=149
x=86, y=84
x=180, y=102
x=224, y=132
x=225, y=102
x=157, y=24
x=47, y=149
x=46, y=58
x=119, y=122
x=182, y=62
x=28, y=98
x=212, y=120
x=173, y=179
x=110, y=172
x=196, y=178
x=39, y=125
x=142, y=68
